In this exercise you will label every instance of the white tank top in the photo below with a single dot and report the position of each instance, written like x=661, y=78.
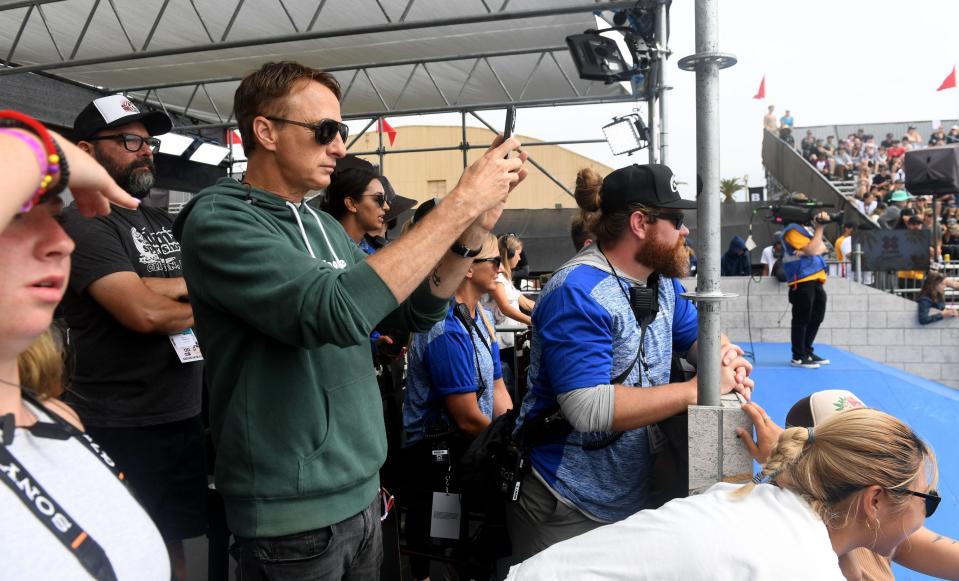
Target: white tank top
x=93, y=497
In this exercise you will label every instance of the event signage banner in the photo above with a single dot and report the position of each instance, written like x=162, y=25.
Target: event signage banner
x=894, y=249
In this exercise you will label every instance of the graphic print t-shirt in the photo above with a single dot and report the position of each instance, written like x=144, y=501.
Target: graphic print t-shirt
x=122, y=378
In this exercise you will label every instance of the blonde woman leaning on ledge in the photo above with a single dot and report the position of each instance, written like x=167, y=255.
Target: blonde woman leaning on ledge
x=509, y=306
x=860, y=479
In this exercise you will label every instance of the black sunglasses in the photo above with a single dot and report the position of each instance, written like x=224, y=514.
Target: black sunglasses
x=132, y=143
x=932, y=499
x=495, y=260
x=380, y=199
x=324, y=132
x=676, y=218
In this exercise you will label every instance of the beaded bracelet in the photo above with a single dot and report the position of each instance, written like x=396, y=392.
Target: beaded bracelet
x=56, y=162
x=42, y=163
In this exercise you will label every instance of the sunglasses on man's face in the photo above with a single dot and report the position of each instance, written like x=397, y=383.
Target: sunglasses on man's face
x=676, y=218
x=324, y=132
x=932, y=499
x=494, y=260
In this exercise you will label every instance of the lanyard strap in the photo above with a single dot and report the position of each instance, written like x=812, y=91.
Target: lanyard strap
x=60, y=429
x=55, y=518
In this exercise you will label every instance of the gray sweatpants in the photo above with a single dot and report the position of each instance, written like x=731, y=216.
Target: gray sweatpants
x=539, y=520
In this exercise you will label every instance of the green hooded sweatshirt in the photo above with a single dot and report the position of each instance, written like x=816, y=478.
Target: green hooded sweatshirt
x=284, y=304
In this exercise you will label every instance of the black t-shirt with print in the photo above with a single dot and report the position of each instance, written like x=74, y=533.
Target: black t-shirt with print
x=122, y=378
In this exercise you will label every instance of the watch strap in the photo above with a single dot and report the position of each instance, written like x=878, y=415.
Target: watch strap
x=460, y=249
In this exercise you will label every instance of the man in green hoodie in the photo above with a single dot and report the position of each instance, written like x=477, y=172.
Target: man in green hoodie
x=284, y=303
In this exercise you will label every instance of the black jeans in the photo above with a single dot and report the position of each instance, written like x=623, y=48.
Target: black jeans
x=809, y=308
x=350, y=550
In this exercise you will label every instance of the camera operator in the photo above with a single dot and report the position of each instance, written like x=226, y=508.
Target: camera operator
x=806, y=274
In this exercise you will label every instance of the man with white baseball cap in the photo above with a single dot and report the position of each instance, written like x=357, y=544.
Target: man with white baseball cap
x=924, y=551
x=137, y=378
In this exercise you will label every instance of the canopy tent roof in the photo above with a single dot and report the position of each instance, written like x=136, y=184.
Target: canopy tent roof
x=391, y=56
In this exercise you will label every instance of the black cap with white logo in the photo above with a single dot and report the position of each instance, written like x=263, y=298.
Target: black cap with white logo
x=652, y=185
x=115, y=111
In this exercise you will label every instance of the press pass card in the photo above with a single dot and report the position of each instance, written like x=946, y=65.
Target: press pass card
x=445, y=518
x=186, y=346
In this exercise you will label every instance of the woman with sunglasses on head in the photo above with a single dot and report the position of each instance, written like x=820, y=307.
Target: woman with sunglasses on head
x=508, y=305
x=924, y=550
x=358, y=200
x=67, y=512
x=859, y=479
x=454, y=389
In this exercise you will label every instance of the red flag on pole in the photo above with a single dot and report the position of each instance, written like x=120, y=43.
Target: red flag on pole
x=950, y=82
x=762, y=89
x=388, y=129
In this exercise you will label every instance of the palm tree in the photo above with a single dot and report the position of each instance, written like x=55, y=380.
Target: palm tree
x=728, y=187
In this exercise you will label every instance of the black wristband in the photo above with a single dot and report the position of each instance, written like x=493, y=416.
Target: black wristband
x=460, y=249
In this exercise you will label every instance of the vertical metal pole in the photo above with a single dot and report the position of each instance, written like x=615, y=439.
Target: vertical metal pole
x=662, y=26
x=708, y=215
x=857, y=262
x=652, y=127
x=380, y=150
x=463, y=143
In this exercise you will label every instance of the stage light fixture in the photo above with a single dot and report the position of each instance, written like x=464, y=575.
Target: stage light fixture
x=174, y=143
x=596, y=57
x=210, y=154
x=626, y=134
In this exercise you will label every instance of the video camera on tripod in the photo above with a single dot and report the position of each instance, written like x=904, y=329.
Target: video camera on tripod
x=801, y=210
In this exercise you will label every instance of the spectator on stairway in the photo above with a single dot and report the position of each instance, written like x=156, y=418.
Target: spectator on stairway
x=808, y=144
x=915, y=140
x=843, y=164
x=888, y=142
x=735, y=262
x=770, y=123
x=938, y=137
x=897, y=203
x=953, y=135
x=900, y=149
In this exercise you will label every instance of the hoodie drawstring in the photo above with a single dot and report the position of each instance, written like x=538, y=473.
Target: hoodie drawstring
x=322, y=231
x=299, y=222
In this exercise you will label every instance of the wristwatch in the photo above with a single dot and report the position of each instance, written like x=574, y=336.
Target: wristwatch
x=460, y=249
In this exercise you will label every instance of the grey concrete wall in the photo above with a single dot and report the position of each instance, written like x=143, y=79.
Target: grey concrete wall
x=860, y=319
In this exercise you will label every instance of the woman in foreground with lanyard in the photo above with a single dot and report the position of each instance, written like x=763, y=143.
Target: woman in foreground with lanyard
x=67, y=512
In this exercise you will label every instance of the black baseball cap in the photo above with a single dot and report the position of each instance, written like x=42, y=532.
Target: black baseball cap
x=115, y=111
x=652, y=185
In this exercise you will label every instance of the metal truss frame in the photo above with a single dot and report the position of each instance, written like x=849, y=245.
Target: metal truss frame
x=299, y=33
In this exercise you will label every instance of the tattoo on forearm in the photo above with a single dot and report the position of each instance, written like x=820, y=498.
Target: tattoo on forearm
x=435, y=277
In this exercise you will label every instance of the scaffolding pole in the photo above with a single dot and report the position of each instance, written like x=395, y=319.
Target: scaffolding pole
x=662, y=31
x=707, y=63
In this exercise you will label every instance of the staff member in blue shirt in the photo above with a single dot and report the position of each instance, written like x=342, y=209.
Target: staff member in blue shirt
x=586, y=337
x=454, y=388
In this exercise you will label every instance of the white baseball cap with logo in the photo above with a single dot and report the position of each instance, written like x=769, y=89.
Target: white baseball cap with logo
x=116, y=111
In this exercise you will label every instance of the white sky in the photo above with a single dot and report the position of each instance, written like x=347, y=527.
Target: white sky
x=835, y=61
